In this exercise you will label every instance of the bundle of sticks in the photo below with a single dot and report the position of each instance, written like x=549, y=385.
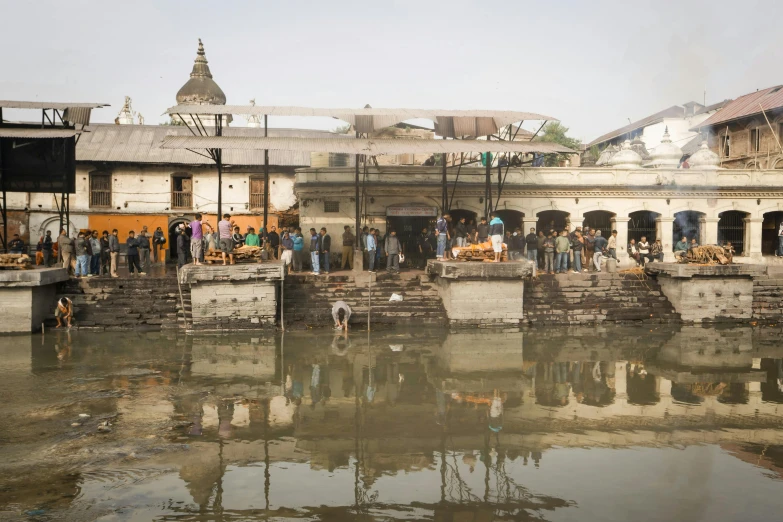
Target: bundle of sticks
x=708, y=255
x=478, y=252
x=243, y=254
x=15, y=261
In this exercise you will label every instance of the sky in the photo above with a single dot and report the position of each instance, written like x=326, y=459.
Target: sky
x=592, y=65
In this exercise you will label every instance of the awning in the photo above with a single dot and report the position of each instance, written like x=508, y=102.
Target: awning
x=370, y=147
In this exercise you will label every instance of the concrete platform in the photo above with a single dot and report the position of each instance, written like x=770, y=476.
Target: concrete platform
x=28, y=278
x=469, y=270
x=28, y=297
x=269, y=271
x=687, y=270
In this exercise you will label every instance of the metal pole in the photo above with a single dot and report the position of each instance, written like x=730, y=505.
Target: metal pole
x=266, y=180
x=444, y=187
x=282, y=301
x=487, y=187
x=67, y=214
x=358, y=204
x=219, y=163
x=369, y=301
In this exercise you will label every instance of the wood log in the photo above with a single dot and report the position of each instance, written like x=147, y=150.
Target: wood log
x=243, y=254
x=708, y=255
x=15, y=261
x=478, y=252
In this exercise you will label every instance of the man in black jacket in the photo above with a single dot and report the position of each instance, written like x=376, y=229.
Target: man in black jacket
x=531, y=242
x=461, y=233
x=133, y=253
x=326, y=247
x=482, y=231
x=47, y=249
x=274, y=241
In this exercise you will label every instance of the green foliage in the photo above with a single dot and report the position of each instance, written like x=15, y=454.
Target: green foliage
x=556, y=132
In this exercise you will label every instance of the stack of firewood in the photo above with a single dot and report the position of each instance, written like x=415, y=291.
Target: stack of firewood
x=708, y=255
x=478, y=252
x=15, y=261
x=243, y=254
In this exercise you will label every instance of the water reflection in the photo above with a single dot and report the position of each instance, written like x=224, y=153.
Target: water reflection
x=412, y=424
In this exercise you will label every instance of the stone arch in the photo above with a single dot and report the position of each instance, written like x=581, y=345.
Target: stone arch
x=599, y=220
x=642, y=223
x=687, y=223
x=175, y=222
x=53, y=224
x=511, y=218
x=557, y=219
x=732, y=228
x=769, y=231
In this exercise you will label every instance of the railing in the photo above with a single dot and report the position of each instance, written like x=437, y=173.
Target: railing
x=181, y=199
x=257, y=200
x=100, y=198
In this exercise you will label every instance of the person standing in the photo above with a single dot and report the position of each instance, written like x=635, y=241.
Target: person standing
x=461, y=232
x=95, y=257
x=540, y=238
x=371, y=246
x=349, y=242
x=39, y=258
x=424, y=244
x=326, y=247
x=273, y=238
x=612, y=245
x=133, y=253
x=65, y=248
x=158, y=240
x=600, y=246
x=531, y=243
x=363, y=243
x=288, y=250
x=779, y=252
x=298, y=245
x=144, y=250
x=482, y=231
x=589, y=247
x=114, y=252
x=226, y=244
x=105, y=253
x=442, y=231
x=496, y=235
x=81, y=248
x=196, y=240
x=315, y=251
x=182, y=248
x=47, y=249
x=549, y=254
x=392, y=248
x=562, y=246
x=577, y=244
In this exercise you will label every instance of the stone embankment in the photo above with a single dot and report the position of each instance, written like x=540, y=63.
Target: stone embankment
x=125, y=303
x=596, y=298
x=768, y=295
x=308, y=299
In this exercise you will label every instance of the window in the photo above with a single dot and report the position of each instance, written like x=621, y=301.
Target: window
x=339, y=159
x=755, y=139
x=725, y=145
x=181, y=191
x=100, y=190
x=331, y=206
x=257, y=193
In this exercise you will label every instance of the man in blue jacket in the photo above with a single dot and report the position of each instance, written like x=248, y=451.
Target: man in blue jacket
x=315, y=251
x=496, y=235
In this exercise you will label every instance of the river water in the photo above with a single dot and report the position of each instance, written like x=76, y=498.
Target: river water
x=609, y=423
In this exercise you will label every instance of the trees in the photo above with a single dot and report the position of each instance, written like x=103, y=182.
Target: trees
x=555, y=132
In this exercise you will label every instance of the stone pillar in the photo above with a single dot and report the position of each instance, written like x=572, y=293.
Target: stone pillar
x=620, y=224
x=663, y=229
x=528, y=223
x=752, y=247
x=709, y=231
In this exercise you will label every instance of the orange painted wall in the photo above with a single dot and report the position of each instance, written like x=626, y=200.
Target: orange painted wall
x=125, y=223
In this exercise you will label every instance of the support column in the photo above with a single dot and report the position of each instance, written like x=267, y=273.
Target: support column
x=709, y=230
x=752, y=238
x=664, y=231
x=620, y=224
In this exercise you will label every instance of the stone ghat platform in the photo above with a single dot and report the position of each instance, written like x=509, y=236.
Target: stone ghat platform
x=27, y=298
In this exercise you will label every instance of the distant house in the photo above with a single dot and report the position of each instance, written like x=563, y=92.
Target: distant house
x=680, y=120
x=746, y=133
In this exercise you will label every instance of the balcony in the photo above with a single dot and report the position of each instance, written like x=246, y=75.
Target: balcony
x=181, y=199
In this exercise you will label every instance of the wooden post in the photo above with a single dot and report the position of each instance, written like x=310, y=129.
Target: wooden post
x=266, y=180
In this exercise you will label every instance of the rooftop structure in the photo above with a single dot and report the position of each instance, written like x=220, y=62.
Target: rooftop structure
x=201, y=88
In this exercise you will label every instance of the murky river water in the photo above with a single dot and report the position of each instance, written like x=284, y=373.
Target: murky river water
x=556, y=424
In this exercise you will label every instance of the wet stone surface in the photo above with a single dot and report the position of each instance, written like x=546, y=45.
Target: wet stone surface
x=605, y=423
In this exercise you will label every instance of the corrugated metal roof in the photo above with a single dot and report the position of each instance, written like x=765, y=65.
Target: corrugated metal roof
x=11, y=132
x=370, y=147
x=692, y=145
x=9, y=104
x=452, y=123
x=675, y=111
x=141, y=144
x=745, y=106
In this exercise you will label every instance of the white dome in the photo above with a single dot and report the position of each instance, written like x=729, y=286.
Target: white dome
x=667, y=154
x=704, y=158
x=626, y=158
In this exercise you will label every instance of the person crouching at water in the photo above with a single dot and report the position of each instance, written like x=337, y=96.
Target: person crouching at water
x=341, y=312
x=64, y=312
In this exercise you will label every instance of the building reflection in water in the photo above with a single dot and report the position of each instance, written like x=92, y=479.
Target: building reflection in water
x=471, y=408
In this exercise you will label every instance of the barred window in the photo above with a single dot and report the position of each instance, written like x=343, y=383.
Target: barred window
x=331, y=206
x=100, y=190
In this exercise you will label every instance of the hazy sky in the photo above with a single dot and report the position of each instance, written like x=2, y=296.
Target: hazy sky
x=590, y=64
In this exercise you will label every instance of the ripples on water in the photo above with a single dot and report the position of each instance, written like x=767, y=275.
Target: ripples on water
x=555, y=424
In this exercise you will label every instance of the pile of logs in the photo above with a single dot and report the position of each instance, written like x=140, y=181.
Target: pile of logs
x=15, y=262
x=478, y=252
x=243, y=254
x=708, y=255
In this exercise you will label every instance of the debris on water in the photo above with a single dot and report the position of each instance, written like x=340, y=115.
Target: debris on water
x=35, y=512
x=76, y=424
x=104, y=429
x=84, y=415
x=395, y=297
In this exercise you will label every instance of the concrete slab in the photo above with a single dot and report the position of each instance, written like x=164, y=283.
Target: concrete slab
x=687, y=271
x=269, y=271
x=29, y=278
x=468, y=270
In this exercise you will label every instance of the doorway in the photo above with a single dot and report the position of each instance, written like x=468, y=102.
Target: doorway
x=408, y=229
x=172, y=250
